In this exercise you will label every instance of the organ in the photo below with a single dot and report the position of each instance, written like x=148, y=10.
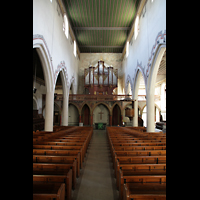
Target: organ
x=101, y=78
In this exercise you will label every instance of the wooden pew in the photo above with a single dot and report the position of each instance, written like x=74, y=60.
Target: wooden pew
x=140, y=191
x=57, y=153
x=58, y=159
x=143, y=178
x=55, y=177
x=57, y=167
x=65, y=144
x=57, y=147
x=138, y=160
x=60, y=153
x=115, y=154
x=48, y=191
x=119, y=148
x=137, y=154
x=141, y=144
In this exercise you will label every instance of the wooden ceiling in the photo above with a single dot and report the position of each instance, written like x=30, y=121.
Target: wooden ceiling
x=101, y=26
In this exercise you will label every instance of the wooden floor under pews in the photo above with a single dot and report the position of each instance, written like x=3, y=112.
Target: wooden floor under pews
x=138, y=163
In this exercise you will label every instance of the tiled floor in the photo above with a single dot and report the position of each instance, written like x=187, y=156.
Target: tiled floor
x=97, y=181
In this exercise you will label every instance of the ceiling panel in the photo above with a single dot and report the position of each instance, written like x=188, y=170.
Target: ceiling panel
x=87, y=15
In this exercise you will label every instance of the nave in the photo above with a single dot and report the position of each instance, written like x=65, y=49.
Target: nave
x=120, y=163
x=97, y=178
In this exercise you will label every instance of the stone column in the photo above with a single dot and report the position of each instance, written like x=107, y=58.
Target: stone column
x=49, y=107
x=135, y=118
x=163, y=101
x=65, y=111
x=150, y=113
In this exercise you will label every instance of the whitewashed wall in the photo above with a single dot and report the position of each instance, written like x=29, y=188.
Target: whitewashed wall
x=152, y=32
x=48, y=24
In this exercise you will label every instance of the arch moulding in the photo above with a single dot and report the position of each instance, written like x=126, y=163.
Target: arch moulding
x=106, y=105
x=128, y=80
x=43, y=51
x=114, y=106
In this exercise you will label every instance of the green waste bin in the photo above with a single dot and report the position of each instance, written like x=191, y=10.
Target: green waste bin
x=100, y=126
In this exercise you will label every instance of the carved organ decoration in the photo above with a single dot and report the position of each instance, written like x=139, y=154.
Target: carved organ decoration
x=101, y=79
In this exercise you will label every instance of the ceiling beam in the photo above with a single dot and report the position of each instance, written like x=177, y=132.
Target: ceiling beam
x=101, y=46
x=102, y=28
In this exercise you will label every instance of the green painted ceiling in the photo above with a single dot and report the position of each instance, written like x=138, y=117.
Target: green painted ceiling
x=101, y=25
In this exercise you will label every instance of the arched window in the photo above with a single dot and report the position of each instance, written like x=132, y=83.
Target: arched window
x=136, y=28
x=127, y=49
x=65, y=26
x=75, y=48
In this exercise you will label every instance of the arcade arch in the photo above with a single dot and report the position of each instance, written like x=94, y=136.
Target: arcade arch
x=101, y=114
x=73, y=118
x=151, y=82
x=61, y=88
x=85, y=115
x=42, y=50
x=139, y=89
x=116, y=115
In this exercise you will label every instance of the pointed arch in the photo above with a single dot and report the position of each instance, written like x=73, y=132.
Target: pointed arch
x=86, y=114
x=97, y=110
x=151, y=86
x=79, y=110
x=43, y=51
x=106, y=105
x=87, y=105
x=46, y=61
x=138, y=69
x=61, y=68
x=114, y=106
x=116, y=115
x=73, y=116
x=36, y=101
x=71, y=84
x=128, y=80
x=159, y=41
x=138, y=75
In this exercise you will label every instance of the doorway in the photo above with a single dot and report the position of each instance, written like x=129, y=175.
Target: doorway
x=116, y=116
x=85, y=115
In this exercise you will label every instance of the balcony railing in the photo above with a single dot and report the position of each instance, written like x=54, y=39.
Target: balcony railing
x=83, y=97
x=89, y=97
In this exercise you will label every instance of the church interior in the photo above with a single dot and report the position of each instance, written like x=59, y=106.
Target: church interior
x=99, y=83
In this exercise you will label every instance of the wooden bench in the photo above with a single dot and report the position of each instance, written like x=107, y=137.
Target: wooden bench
x=57, y=153
x=55, y=177
x=56, y=167
x=138, y=154
x=148, y=191
x=59, y=159
x=60, y=153
x=119, y=148
x=56, y=147
x=65, y=144
x=140, y=179
x=139, y=158
x=48, y=191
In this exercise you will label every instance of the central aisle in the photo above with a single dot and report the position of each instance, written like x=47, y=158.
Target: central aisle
x=97, y=177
